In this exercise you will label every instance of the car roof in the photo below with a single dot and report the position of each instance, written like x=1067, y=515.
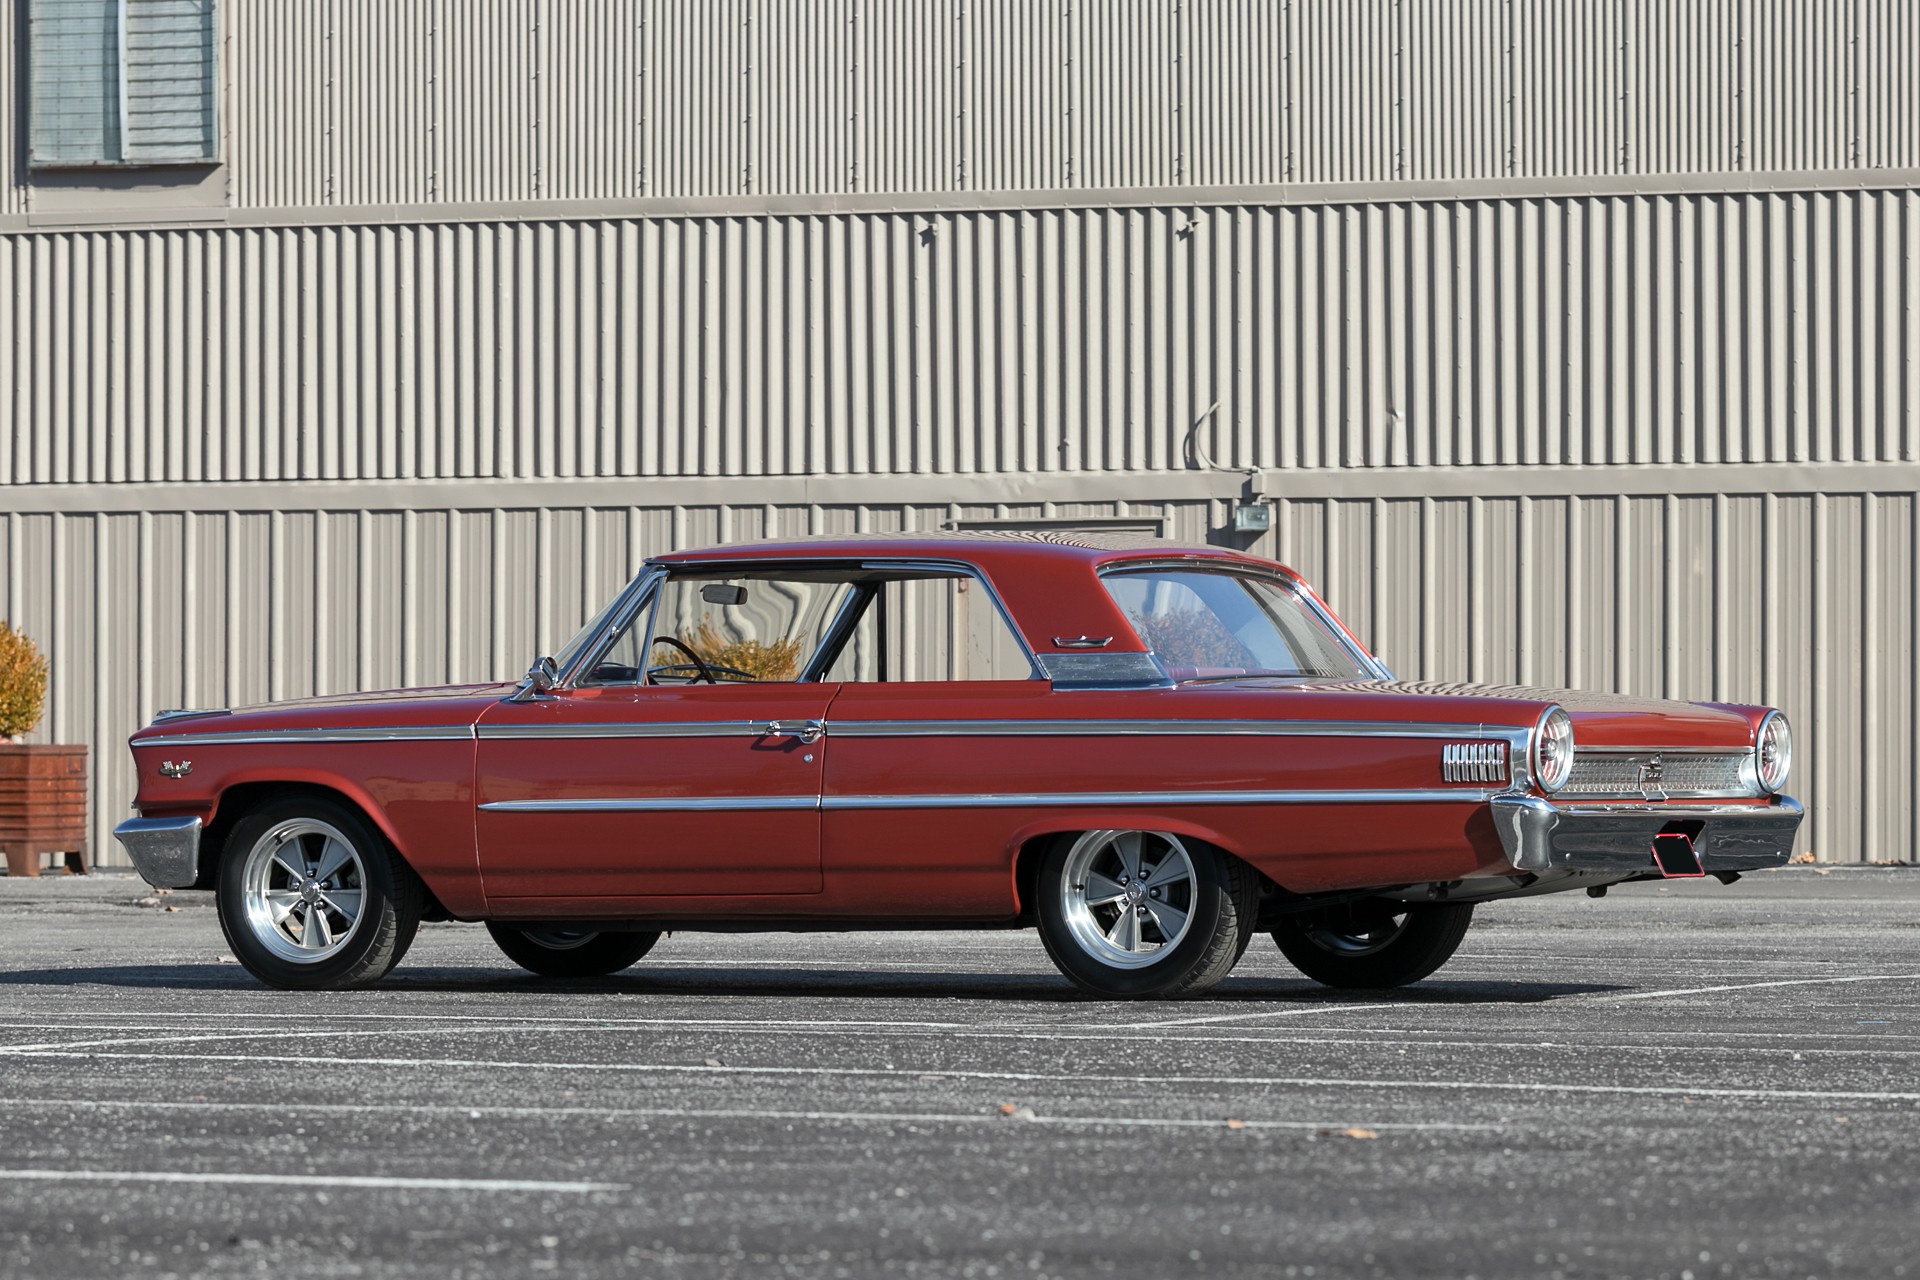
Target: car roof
x=979, y=546
x=1047, y=579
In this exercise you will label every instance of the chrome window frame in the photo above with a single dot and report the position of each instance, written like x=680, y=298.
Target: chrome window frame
x=638, y=593
x=1290, y=585
x=643, y=586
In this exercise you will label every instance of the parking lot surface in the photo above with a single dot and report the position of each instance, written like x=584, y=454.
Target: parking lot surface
x=1683, y=1080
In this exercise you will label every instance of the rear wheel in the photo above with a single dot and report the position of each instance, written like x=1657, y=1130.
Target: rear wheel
x=313, y=898
x=1143, y=914
x=1373, y=945
x=571, y=953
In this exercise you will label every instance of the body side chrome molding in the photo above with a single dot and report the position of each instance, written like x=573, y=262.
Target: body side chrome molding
x=987, y=800
x=654, y=804
x=349, y=733
x=1170, y=728
x=637, y=729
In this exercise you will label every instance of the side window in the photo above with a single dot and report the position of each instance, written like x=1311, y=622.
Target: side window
x=944, y=628
x=724, y=630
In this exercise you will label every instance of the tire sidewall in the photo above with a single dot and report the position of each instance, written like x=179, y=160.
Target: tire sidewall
x=1212, y=911
x=598, y=956
x=375, y=944
x=1428, y=940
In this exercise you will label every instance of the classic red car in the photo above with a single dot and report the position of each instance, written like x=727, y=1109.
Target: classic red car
x=1149, y=752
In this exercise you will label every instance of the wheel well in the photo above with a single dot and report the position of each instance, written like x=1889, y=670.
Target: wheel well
x=1026, y=874
x=237, y=801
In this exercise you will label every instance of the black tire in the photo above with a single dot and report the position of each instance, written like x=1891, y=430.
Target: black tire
x=1219, y=897
x=1373, y=945
x=258, y=857
x=568, y=953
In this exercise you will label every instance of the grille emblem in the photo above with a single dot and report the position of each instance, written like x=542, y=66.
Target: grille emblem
x=1650, y=770
x=1473, y=762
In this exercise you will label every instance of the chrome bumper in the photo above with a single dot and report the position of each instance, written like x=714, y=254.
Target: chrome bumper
x=1541, y=836
x=165, y=851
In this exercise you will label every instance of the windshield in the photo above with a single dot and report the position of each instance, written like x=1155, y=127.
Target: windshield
x=1211, y=625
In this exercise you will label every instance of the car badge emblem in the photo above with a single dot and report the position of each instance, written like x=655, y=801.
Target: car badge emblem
x=168, y=769
x=1650, y=774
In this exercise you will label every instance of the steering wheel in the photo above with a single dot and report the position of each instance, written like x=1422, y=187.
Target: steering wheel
x=699, y=663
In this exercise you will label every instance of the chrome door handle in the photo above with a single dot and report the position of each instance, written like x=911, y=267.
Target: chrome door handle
x=806, y=731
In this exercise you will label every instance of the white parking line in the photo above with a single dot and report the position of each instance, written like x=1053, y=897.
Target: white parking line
x=1746, y=986
x=306, y=1180
x=740, y=1113
x=1488, y=1087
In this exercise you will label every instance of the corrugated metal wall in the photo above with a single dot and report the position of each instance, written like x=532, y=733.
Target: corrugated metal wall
x=1693, y=596
x=354, y=448
x=1469, y=333
x=370, y=102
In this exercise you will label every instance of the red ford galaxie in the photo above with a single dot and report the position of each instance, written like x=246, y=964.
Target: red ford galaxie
x=1149, y=752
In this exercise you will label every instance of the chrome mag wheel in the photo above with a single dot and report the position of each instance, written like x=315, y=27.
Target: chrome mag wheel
x=1127, y=897
x=304, y=886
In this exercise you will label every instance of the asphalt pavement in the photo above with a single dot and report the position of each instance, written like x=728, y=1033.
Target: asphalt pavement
x=1683, y=1080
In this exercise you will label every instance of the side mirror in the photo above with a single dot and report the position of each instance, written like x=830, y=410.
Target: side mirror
x=542, y=676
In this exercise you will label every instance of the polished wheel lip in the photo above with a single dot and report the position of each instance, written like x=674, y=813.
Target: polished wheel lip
x=302, y=878
x=558, y=939
x=1086, y=883
x=1354, y=943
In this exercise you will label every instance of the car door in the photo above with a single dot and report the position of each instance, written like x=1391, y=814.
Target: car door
x=686, y=761
x=649, y=792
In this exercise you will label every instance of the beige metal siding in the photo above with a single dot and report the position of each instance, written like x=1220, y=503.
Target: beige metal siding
x=12, y=99
x=372, y=102
x=1803, y=600
x=1625, y=330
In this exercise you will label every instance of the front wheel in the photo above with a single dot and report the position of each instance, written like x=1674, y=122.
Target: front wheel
x=1373, y=945
x=313, y=898
x=1143, y=914
x=571, y=953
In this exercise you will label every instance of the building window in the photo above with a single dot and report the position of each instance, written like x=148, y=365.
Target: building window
x=121, y=83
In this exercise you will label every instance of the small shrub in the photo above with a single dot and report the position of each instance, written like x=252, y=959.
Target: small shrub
x=23, y=683
x=1191, y=638
x=763, y=660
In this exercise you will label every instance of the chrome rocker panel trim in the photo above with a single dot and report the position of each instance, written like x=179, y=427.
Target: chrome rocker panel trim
x=165, y=851
x=1540, y=836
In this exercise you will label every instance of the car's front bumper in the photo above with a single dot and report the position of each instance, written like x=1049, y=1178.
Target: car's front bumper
x=165, y=851
x=1542, y=836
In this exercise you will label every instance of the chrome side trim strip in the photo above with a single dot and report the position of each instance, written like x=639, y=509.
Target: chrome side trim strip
x=1421, y=795
x=669, y=804
x=352, y=733
x=1169, y=728
x=655, y=804
x=1087, y=671
x=624, y=729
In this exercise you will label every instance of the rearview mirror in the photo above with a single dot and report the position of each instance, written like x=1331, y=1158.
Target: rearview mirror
x=723, y=593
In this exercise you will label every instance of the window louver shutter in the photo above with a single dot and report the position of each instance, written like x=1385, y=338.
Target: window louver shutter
x=169, y=81
x=122, y=82
x=74, y=63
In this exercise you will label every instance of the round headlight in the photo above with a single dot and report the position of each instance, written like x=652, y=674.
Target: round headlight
x=1773, y=751
x=1553, y=749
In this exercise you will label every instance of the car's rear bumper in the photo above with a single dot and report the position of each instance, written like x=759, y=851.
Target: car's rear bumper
x=165, y=851
x=1542, y=836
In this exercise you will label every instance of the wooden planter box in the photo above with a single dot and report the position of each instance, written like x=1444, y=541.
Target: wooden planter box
x=43, y=806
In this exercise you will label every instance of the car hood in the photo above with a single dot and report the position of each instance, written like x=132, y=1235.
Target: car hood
x=456, y=705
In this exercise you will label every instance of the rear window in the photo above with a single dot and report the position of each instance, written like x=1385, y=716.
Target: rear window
x=1213, y=625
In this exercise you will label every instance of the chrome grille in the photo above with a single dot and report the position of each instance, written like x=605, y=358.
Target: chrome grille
x=1690, y=775
x=1473, y=762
